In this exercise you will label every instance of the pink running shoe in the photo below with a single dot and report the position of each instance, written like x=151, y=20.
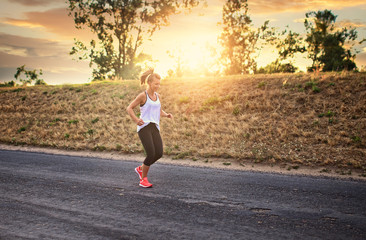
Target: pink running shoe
x=138, y=170
x=145, y=183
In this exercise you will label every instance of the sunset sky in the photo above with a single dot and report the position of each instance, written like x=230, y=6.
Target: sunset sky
x=39, y=34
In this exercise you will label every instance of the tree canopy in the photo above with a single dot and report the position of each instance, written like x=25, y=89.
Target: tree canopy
x=30, y=76
x=121, y=27
x=238, y=38
x=326, y=44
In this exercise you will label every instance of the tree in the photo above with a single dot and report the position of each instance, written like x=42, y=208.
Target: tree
x=238, y=39
x=277, y=67
x=176, y=55
x=7, y=84
x=326, y=45
x=31, y=75
x=287, y=43
x=121, y=27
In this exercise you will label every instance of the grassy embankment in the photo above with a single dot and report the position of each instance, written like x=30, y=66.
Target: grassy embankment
x=293, y=120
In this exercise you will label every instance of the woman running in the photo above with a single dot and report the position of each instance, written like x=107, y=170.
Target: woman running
x=148, y=124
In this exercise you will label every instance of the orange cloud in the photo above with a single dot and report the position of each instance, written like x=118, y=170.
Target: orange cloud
x=34, y=47
x=50, y=56
x=55, y=21
x=352, y=24
x=37, y=53
x=358, y=24
x=21, y=23
x=35, y=2
x=277, y=6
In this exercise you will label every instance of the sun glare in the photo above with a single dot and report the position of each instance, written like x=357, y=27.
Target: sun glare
x=193, y=58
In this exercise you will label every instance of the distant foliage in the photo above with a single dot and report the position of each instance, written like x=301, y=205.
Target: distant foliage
x=329, y=48
x=176, y=55
x=8, y=84
x=238, y=38
x=30, y=76
x=288, y=44
x=277, y=67
x=326, y=45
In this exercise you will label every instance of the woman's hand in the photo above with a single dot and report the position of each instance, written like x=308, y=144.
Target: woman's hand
x=169, y=115
x=140, y=122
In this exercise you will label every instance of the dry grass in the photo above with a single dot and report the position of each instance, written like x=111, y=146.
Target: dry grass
x=301, y=119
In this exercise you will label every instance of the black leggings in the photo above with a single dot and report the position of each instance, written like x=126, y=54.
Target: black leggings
x=153, y=145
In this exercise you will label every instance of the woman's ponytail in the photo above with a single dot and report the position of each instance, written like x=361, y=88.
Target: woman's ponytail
x=145, y=75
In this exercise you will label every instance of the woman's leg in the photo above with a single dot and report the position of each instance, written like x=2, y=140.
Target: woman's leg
x=146, y=138
x=158, y=144
x=145, y=170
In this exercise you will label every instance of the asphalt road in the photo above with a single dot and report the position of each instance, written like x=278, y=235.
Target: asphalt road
x=44, y=196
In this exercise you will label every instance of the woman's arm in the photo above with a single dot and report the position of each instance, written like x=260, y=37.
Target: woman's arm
x=138, y=101
x=164, y=114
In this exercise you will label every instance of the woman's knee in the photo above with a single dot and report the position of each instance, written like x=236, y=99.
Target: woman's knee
x=149, y=160
x=150, y=156
x=158, y=155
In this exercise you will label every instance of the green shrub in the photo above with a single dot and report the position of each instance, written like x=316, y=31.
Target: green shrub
x=54, y=121
x=330, y=114
x=236, y=111
x=90, y=131
x=316, y=89
x=184, y=99
x=206, y=108
x=95, y=120
x=310, y=84
x=22, y=129
x=73, y=122
x=181, y=155
x=246, y=135
x=30, y=76
x=262, y=84
x=168, y=150
x=356, y=139
x=99, y=148
x=18, y=90
x=211, y=101
x=7, y=84
x=122, y=96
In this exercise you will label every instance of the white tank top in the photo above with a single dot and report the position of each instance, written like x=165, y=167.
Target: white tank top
x=150, y=112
